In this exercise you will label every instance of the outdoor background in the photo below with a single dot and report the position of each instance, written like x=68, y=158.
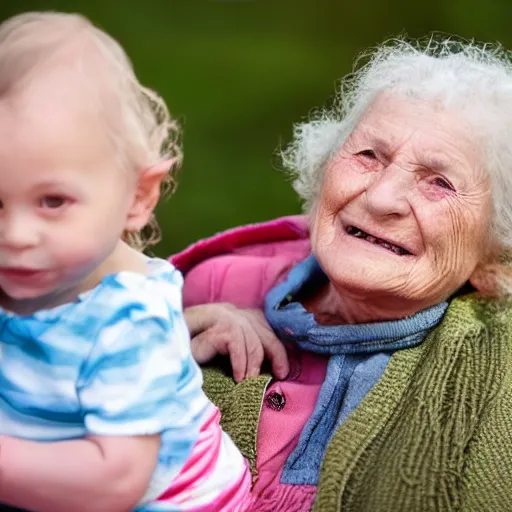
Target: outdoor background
x=239, y=73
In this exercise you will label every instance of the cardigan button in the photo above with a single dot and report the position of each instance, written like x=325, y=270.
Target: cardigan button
x=275, y=401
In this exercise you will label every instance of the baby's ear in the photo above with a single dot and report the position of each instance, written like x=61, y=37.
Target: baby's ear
x=147, y=194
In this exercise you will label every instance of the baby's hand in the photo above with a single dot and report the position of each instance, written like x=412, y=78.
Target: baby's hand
x=243, y=334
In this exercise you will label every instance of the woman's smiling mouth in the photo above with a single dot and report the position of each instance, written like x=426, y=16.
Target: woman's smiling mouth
x=359, y=233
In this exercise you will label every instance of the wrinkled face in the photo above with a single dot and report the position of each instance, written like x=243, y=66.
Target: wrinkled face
x=63, y=198
x=404, y=209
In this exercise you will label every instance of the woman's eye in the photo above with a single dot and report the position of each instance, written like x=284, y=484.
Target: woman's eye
x=52, y=202
x=368, y=153
x=443, y=183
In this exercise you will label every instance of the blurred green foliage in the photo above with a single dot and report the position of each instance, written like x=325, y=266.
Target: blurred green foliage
x=239, y=73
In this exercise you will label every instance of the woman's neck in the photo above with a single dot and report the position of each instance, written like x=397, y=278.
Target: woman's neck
x=330, y=307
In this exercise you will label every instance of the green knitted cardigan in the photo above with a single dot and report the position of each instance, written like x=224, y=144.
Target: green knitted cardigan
x=434, y=434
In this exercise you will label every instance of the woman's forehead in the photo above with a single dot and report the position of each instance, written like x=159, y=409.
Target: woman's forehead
x=392, y=121
x=422, y=134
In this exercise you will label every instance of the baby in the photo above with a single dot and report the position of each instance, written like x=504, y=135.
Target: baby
x=101, y=407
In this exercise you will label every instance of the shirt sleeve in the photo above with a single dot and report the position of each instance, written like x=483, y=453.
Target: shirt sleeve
x=140, y=377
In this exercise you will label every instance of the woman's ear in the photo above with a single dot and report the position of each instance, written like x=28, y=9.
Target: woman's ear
x=493, y=275
x=147, y=194
x=493, y=270
x=486, y=278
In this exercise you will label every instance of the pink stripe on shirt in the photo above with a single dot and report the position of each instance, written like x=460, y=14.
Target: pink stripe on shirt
x=214, y=478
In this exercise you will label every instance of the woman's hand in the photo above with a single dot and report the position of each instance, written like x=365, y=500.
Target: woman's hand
x=243, y=334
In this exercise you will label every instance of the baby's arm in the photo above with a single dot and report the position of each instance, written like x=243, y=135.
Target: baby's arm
x=99, y=473
x=138, y=382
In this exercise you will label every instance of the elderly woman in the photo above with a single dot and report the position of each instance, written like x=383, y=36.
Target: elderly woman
x=390, y=297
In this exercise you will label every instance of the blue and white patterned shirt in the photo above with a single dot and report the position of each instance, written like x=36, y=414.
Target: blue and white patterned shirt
x=115, y=362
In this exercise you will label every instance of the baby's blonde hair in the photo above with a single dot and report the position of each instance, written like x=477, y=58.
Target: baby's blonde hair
x=137, y=119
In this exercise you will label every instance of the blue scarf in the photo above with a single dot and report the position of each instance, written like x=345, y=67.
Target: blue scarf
x=359, y=355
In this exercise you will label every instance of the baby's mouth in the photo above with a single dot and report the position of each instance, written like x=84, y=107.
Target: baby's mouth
x=359, y=233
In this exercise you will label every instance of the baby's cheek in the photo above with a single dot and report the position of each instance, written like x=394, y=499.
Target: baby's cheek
x=80, y=251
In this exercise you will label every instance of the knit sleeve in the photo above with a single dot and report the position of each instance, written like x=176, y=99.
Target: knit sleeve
x=487, y=480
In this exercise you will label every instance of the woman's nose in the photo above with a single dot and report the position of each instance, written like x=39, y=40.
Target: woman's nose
x=389, y=192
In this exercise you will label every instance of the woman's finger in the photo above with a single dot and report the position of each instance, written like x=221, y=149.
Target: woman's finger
x=201, y=348
x=277, y=355
x=199, y=318
x=273, y=348
x=255, y=352
x=238, y=356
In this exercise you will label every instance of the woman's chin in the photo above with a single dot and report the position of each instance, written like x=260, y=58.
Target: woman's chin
x=370, y=271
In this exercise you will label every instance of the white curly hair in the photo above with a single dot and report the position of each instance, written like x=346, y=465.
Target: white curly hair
x=136, y=118
x=473, y=78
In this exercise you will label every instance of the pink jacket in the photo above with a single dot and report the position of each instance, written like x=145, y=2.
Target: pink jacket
x=240, y=265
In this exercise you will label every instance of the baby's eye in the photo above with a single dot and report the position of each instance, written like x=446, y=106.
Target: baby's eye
x=53, y=202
